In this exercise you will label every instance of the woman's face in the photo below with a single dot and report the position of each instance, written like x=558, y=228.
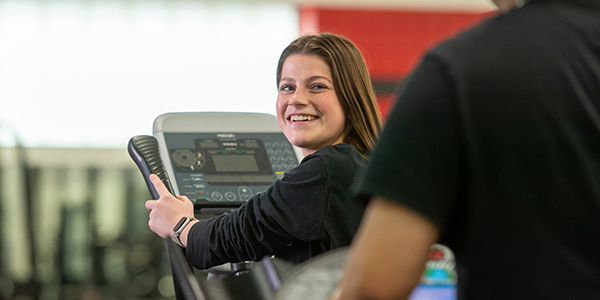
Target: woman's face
x=308, y=110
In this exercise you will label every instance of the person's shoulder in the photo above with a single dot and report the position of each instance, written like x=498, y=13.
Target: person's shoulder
x=482, y=32
x=495, y=29
x=336, y=150
x=337, y=154
x=329, y=159
x=484, y=42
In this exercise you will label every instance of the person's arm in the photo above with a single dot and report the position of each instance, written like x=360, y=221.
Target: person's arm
x=389, y=253
x=291, y=210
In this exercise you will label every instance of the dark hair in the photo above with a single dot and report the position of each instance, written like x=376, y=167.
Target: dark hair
x=351, y=81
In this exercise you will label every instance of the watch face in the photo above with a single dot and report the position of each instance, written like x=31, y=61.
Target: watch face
x=178, y=225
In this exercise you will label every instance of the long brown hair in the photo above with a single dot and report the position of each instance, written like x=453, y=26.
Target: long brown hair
x=352, y=84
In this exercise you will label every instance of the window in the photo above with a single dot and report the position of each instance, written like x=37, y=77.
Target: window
x=95, y=73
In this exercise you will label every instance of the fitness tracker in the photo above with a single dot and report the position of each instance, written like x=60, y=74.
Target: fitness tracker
x=179, y=227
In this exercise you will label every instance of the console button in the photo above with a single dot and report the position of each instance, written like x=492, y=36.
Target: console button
x=216, y=196
x=230, y=196
x=245, y=193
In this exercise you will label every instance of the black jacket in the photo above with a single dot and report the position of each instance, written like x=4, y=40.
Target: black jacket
x=306, y=213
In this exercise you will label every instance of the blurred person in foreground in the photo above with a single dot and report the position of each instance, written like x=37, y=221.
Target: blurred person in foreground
x=492, y=149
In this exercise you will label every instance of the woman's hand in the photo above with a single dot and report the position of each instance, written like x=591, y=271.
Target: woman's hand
x=167, y=210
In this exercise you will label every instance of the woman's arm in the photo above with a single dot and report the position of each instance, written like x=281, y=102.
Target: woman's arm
x=291, y=210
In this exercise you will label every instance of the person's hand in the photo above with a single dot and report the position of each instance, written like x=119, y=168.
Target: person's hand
x=167, y=210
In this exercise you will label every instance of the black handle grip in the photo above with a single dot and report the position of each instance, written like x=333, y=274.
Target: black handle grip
x=143, y=149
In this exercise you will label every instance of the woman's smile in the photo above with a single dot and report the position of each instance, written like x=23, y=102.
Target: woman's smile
x=302, y=118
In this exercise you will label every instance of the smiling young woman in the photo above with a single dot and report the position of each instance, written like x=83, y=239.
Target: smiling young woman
x=325, y=106
x=349, y=79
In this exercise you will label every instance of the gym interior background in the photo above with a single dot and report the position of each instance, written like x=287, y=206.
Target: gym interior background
x=79, y=78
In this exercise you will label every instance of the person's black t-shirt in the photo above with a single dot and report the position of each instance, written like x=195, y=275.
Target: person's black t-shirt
x=496, y=139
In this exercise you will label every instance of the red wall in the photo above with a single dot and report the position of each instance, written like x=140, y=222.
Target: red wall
x=392, y=41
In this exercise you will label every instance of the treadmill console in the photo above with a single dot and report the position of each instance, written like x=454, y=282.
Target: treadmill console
x=223, y=159
x=228, y=167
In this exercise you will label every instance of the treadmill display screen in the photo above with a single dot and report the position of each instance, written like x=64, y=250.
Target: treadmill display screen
x=226, y=162
x=228, y=167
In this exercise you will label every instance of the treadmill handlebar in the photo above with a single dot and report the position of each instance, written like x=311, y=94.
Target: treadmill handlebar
x=143, y=149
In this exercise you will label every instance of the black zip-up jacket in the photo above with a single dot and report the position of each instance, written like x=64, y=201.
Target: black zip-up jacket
x=309, y=211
